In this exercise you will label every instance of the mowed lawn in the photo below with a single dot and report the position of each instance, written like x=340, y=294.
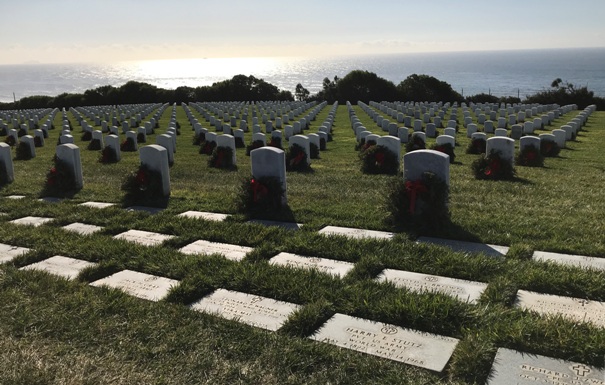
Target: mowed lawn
x=54, y=331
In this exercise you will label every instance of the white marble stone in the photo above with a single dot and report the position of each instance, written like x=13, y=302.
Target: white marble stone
x=231, y=252
x=15, y=196
x=425, y=350
x=570, y=260
x=62, y=266
x=324, y=265
x=513, y=367
x=141, y=285
x=97, y=205
x=575, y=309
x=216, y=217
x=9, y=252
x=32, y=221
x=82, y=228
x=355, y=233
x=271, y=162
x=416, y=163
x=70, y=154
x=261, y=312
x=155, y=157
x=145, y=238
x=467, y=247
x=467, y=291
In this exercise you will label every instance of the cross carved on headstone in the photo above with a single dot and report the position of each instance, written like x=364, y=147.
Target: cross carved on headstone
x=580, y=370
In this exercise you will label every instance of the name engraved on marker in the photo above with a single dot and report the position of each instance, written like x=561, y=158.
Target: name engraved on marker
x=577, y=309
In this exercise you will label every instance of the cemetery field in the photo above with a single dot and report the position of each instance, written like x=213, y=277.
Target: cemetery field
x=55, y=331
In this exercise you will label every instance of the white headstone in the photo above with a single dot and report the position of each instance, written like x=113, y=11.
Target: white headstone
x=270, y=162
x=560, y=137
x=165, y=141
x=229, y=142
x=505, y=146
x=156, y=159
x=70, y=154
x=113, y=141
x=7, y=173
x=418, y=162
x=302, y=141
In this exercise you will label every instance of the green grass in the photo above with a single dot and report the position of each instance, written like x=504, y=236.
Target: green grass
x=57, y=332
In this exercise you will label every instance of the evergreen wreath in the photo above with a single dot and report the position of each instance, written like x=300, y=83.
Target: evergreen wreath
x=530, y=156
x=446, y=148
x=549, y=149
x=38, y=141
x=296, y=159
x=415, y=142
x=3, y=174
x=239, y=142
x=94, y=145
x=275, y=142
x=199, y=139
x=10, y=140
x=379, y=160
x=108, y=155
x=21, y=132
x=141, y=138
x=86, y=136
x=322, y=144
x=128, y=145
x=256, y=144
x=207, y=147
x=222, y=157
x=22, y=151
x=314, y=150
x=493, y=167
x=60, y=180
x=3, y=131
x=476, y=146
x=259, y=195
x=144, y=186
x=420, y=204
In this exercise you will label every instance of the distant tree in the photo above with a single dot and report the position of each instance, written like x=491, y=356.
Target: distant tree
x=240, y=88
x=301, y=92
x=100, y=96
x=427, y=88
x=38, y=101
x=184, y=94
x=483, y=98
x=364, y=86
x=563, y=93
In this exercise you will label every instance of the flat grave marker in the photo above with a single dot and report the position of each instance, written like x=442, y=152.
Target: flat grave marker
x=576, y=309
x=145, y=238
x=16, y=196
x=261, y=312
x=144, y=209
x=141, y=285
x=467, y=247
x=570, y=260
x=513, y=367
x=217, y=217
x=324, y=265
x=9, y=252
x=458, y=288
x=355, y=233
x=425, y=350
x=82, y=228
x=65, y=267
x=231, y=252
x=97, y=205
x=32, y=221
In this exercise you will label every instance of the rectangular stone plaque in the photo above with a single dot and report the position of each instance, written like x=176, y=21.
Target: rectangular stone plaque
x=31, y=221
x=16, y=196
x=141, y=285
x=285, y=225
x=204, y=215
x=467, y=247
x=576, y=309
x=324, y=265
x=458, y=288
x=62, y=266
x=250, y=309
x=82, y=228
x=570, y=260
x=429, y=351
x=513, y=367
x=355, y=233
x=97, y=205
x=145, y=238
x=8, y=252
x=232, y=252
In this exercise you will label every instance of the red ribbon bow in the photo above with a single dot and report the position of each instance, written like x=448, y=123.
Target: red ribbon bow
x=379, y=158
x=259, y=190
x=297, y=159
x=219, y=158
x=413, y=189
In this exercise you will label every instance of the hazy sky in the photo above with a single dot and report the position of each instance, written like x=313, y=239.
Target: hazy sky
x=51, y=31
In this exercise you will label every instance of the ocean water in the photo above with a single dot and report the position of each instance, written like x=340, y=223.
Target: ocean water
x=501, y=73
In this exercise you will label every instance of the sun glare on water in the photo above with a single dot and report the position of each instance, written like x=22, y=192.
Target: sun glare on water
x=198, y=72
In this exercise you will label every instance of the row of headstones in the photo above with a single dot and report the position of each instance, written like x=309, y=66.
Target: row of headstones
x=271, y=122
x=566, y=132
x=225, y=110
x=438, y=120
x=416, y=110
x=31, y=118
x=133, y=114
